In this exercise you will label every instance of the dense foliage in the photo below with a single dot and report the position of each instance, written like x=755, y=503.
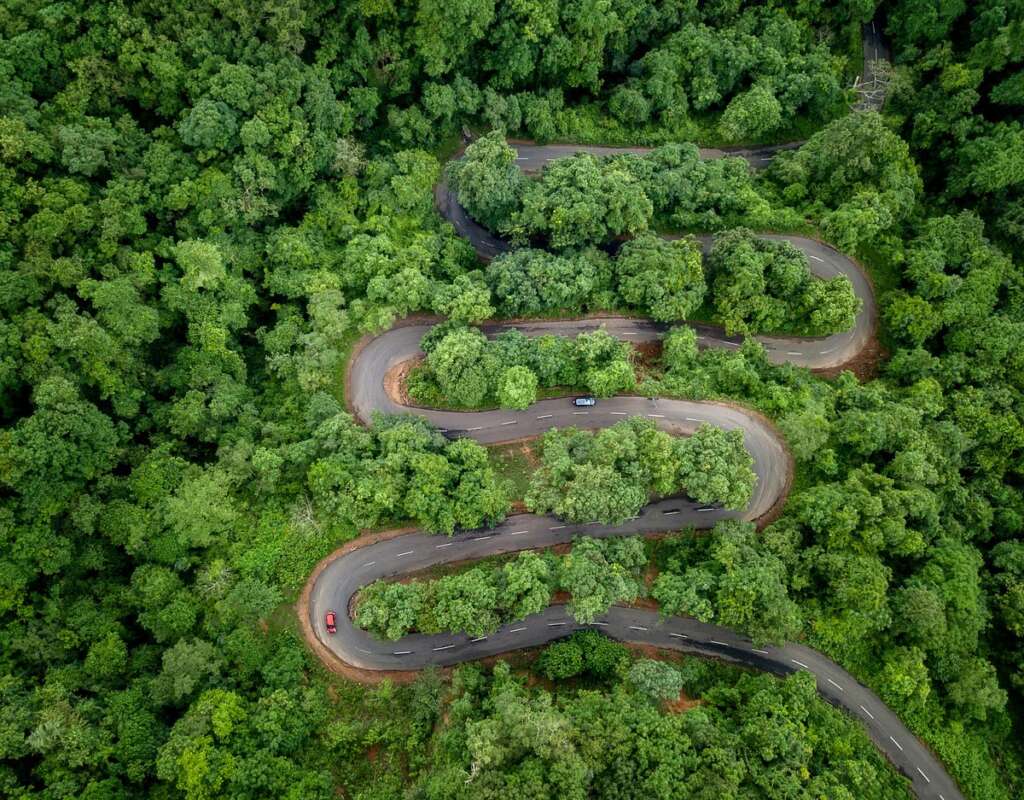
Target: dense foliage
x=581, y=200
x=750, y=736
x=478, y=600
x=466, y=369
x=765, y=285
x=726, y=578
x=610, y=474
x=402, y=469
x=203, y=205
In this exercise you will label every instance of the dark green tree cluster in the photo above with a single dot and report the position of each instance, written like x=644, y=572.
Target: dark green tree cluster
x=584, y=653
x=770, y=65
x=662, y=278
x=530, y=282
x=465, y=368
x=958, y=96
x=765, y=285
x=477, y=601
x=750, y=735
x=741, y=373
x=610, y=474
x=403, y=469
x=583, y=200
x=558, y=70
x=856, y=177
x=727, y=578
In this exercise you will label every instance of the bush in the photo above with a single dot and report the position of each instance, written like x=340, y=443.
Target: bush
x=655, y=679
x=560, y=660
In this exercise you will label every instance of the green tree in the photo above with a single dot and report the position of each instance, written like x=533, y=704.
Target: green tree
x=389, y=609
x=560, y=660
x=751, y=115
x=517, y=388
x=857, y=174
x=488, y=182
x=580, y=201
x=464, y=366
x=596, y=577
x=665, y=278
x=656, y=679
x=715, y=467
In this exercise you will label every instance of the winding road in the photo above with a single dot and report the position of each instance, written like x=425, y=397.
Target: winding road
x=337, y=582
x=823, y=261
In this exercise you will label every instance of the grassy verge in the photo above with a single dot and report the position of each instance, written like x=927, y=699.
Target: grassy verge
x=515, y=463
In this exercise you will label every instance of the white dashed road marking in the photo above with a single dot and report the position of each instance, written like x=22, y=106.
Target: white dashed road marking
x=480, y=538
x=402, y=653
x=545, y=416
x=679, y=635
x=799, y=663
x=511, y=422
x=867, y=712
x=518, y=533
x=555, y=624
x=921, y=772
x=439, y=546
x=444, y=647
x=556, y=527
x=763, y=652
x=369, y=563
x=637, y=628
x=406, y=553
x=517, y=630
x=840, y=688
x=477, y=639
x=818, y=259
x=896, y=743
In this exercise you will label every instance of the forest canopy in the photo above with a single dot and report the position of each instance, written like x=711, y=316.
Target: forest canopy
x=205, y=205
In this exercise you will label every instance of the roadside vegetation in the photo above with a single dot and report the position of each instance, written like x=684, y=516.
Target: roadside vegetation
x=610, y=474
x=204, y=205
x=478, y=600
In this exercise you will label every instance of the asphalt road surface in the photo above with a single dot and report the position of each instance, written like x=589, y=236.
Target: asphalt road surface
x=337, y=585
x=873, y=84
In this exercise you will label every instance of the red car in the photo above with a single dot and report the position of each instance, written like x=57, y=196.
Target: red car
x=331, y=622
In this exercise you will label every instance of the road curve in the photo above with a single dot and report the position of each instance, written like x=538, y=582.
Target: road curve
x=338, y=582
x=823, y=260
